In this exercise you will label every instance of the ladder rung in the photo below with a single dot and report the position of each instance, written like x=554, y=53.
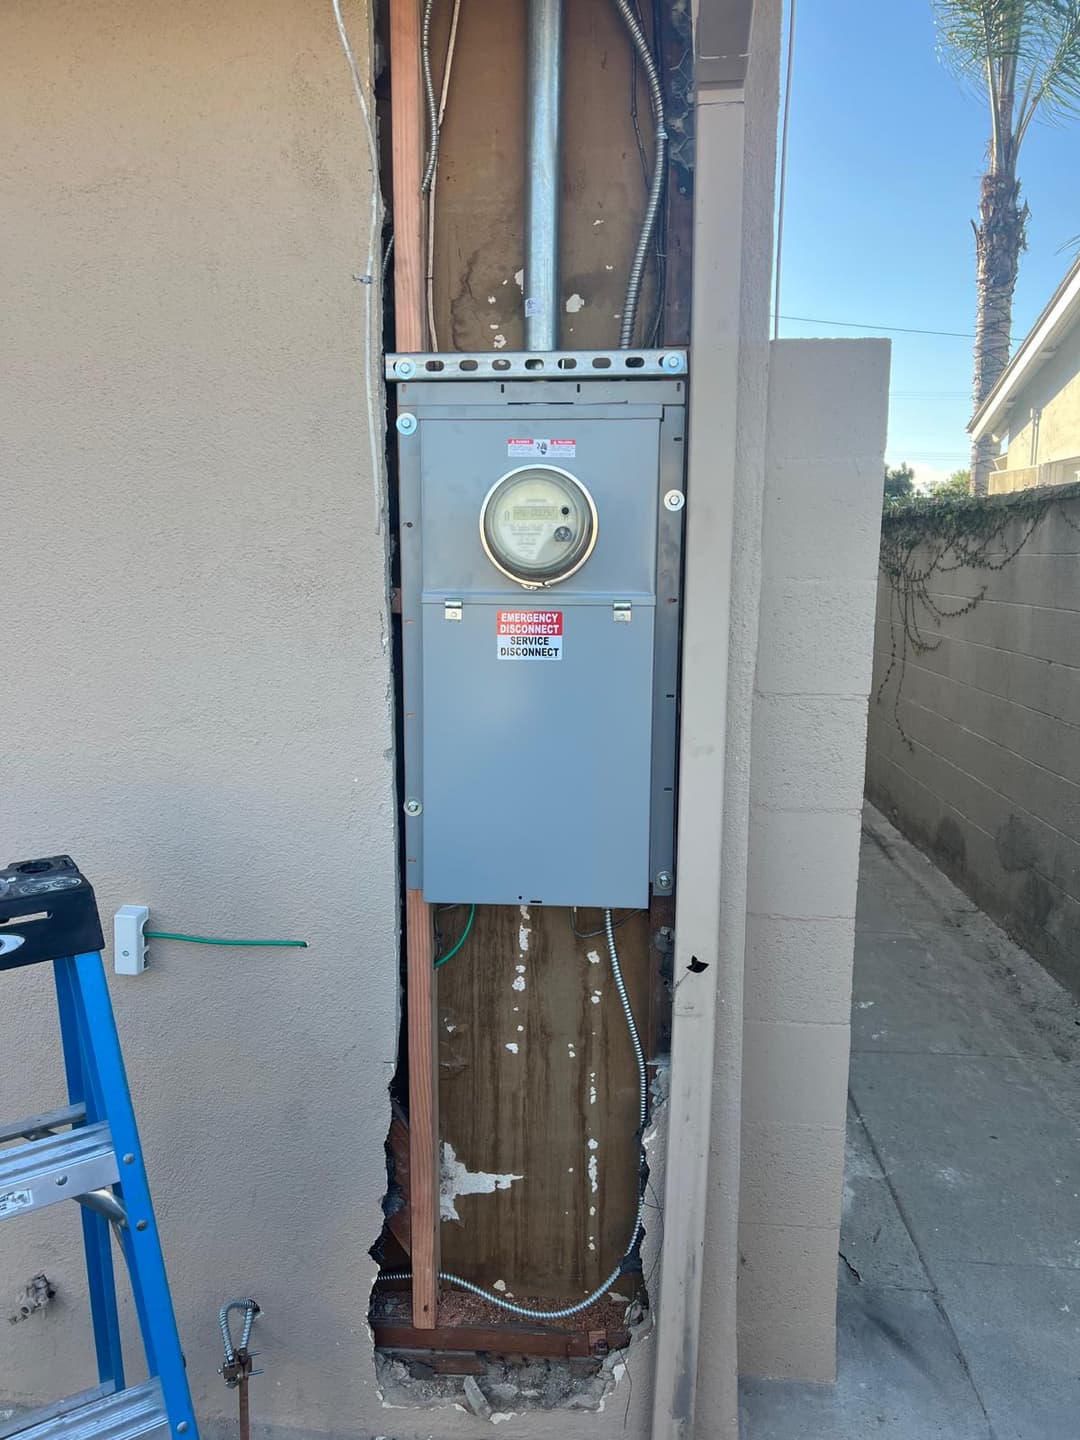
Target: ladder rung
x=57, y=1407
x=122, y=1415
x=34, y=1124
x=57, y=1167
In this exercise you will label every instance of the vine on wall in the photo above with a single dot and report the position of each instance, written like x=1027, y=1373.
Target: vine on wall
x=925, y=538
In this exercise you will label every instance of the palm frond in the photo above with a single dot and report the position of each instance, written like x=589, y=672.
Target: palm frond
x=1054, y=92
x=972, y=33
x=981, y=41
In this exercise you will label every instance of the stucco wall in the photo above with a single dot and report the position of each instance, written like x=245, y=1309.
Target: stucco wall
x=826, y=439
x=197, y=702
x=733, y=552
x=1055, y=390
x=990, y=783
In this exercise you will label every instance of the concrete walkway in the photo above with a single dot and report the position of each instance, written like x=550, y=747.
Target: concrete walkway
x=959, y=1310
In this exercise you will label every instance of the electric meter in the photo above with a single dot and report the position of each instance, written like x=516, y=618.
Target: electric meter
x=538, y=525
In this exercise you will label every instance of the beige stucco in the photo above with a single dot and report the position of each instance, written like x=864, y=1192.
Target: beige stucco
x=1054, y=392
x=198, y=702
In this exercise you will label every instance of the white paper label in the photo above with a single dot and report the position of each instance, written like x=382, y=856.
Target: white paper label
x=12, y=1200
x=529, y=634
x=537, y=449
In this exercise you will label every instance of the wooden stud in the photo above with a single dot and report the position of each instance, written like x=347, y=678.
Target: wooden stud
x=423, y=1111
x=407, y=111
x=407, y=148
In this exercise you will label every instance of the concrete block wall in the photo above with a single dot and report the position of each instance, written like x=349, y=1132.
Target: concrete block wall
x=988, y=780
x=826, y=437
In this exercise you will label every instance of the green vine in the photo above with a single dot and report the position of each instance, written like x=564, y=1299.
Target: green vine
x=926, y=537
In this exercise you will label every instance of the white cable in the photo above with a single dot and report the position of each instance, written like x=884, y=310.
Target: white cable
x=566, y=1311
x=369, y=277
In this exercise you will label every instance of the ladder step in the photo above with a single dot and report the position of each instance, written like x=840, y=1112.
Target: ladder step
x=37, y=1124
x=122, y=1415
x=57, y=1167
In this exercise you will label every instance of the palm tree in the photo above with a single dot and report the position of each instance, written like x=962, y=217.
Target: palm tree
x=1024, y=56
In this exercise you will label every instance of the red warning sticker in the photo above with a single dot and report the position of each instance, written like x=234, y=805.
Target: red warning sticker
x=534, y=448
x=529, y=634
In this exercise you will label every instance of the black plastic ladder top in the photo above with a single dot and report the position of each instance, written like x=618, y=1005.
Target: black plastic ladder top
x=47, y=912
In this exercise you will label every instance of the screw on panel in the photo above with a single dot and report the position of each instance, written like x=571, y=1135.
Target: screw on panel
x=405, y=368
x=413, y=807
x=674, y=500
x=406, y=424
x=663, y=880
x=673, y=362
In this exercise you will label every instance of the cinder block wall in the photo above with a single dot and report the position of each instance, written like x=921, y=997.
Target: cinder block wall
x=989, y=785
x=826, y=437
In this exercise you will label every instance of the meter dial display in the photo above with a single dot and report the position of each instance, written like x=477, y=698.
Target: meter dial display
x=538, y=525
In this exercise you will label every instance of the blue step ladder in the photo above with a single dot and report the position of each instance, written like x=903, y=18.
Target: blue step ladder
x=89, y=1151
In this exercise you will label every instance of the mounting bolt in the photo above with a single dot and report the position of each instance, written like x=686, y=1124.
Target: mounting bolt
x=140, y=1224
x=182, y=1428
x=413, y=807
x=61, y=1180
x=673, y=362
x=406, y=424
x=674, y=500
x=405, y=368
x=663, y=880
x=129, y=1159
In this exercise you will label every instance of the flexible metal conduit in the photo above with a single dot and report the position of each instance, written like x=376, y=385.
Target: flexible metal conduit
x=543, y=90
x=659, y=172
x=643, y=1109
x=250, y=1309
x=429, y=94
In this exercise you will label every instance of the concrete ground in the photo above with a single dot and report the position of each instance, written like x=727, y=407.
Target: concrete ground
x=959, y=1308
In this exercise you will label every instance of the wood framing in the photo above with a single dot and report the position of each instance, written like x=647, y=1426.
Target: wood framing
x=408, y=143
x=504, y=1339
x=423, y=1112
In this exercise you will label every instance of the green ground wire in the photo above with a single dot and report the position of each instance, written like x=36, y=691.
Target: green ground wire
x=464, y=936
x=210, y=940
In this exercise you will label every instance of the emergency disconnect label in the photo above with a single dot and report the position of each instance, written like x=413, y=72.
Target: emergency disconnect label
x=530, y=634
x=536, y=449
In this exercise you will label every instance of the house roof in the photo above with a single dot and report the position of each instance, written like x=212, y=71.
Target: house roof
x=1041, y=344
x=722, y=30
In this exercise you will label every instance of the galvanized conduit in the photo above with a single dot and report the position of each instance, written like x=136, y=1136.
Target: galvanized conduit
x=543, y=92
x=659, y=174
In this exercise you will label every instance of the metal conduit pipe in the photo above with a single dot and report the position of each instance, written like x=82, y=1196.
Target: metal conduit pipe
x=659, y=173
x=543, y=91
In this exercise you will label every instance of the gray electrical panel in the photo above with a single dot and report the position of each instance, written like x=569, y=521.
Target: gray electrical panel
x=541, y=527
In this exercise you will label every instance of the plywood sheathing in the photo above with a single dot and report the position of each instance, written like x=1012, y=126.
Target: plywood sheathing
x=537, y=1082
x=479, y=245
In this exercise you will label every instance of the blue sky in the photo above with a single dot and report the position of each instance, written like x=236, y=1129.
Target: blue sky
x=884, y=158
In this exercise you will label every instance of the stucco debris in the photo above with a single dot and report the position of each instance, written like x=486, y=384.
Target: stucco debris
x=506, y=1389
